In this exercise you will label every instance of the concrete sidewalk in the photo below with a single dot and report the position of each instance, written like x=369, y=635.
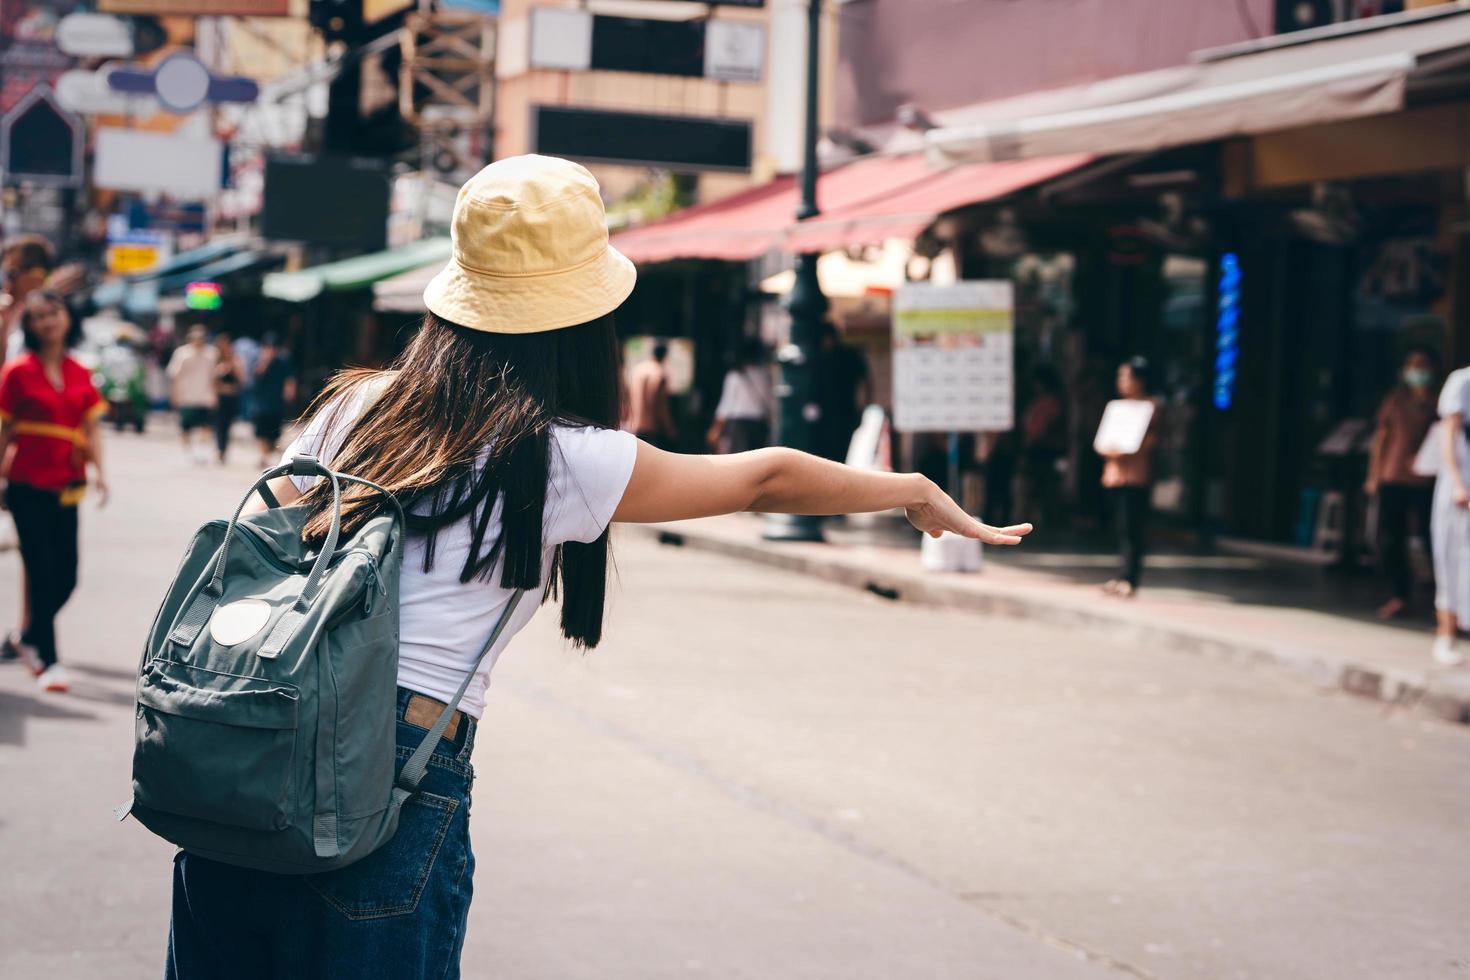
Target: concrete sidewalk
x=1386, y=662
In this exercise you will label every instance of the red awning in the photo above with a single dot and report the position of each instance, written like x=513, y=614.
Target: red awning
x=863, y=202
x=736, y=228
x=906, y=211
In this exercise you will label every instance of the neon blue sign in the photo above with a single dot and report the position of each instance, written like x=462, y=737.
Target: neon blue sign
x=1227, y=330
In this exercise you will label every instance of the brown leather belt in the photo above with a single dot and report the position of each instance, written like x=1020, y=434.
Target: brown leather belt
x=422, y=711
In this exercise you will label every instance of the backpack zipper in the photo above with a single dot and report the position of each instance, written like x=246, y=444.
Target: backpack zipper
x=374, y=585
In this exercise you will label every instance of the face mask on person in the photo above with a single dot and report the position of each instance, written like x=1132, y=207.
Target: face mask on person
x=1417, y=377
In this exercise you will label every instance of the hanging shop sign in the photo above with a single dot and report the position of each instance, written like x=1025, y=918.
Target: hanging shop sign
x=203, y=296
x=953, y=363
x=181, y=83
x=138, y=160
x=1227, y=330
x=40, y=142
x=167, y=216
x=199, y=8
x=94, y=36
x=135, y=251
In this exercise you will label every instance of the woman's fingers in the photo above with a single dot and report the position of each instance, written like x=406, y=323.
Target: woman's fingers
x=1003, y=535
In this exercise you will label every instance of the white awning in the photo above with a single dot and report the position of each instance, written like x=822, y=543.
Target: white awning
x=1297, y=84
x=404, y=293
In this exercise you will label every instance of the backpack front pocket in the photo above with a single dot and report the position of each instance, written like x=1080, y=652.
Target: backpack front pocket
x=215, y=746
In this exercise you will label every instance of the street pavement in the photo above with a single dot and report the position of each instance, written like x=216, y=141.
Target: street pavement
x=761, y=775
x=1234, y=606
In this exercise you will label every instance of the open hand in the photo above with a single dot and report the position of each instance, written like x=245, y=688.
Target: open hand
x=937, y=513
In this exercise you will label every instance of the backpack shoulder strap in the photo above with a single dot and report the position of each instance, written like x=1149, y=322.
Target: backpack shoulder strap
x=413, y=769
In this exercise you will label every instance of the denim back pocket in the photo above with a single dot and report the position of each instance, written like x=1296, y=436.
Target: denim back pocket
x=391, y=880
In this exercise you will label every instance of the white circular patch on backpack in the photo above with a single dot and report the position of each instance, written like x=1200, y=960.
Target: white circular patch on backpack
x=237, y=622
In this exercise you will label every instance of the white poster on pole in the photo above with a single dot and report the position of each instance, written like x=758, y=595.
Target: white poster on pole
x=953, y=360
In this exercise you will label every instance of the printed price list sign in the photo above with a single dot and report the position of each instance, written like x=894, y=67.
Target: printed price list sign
x=953, y=364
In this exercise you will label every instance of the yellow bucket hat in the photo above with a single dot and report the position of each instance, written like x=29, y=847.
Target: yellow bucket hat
x=530, y=251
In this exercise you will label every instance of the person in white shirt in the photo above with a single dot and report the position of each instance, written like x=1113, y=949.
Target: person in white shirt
x=497, y=432
x=192, y=389
x=743, y=415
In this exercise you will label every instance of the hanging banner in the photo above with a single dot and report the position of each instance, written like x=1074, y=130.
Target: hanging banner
x=953, y=364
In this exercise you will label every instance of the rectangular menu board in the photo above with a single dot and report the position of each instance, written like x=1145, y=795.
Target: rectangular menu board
x=953, y=357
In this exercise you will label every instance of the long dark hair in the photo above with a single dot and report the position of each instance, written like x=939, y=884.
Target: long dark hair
x=73, y=328
x=462, y=420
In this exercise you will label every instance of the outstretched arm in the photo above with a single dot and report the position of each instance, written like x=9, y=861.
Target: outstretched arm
x=672, y=487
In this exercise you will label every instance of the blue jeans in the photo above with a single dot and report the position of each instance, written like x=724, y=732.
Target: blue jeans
x=400, y=912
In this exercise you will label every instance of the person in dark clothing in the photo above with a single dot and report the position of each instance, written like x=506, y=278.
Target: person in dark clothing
x=274, y=391
x=1404, y=419
x=1043, y=440
x=841, y=390
x=229, y=379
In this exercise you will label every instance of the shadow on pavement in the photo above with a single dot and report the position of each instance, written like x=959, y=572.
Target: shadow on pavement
x=100, y=695
x=111, y=673
x=17, y=709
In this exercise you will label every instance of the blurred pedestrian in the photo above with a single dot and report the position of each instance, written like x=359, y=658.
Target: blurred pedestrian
x=1404, y=419
x=25, y=263
x=1450, y=522
x=50, y=411
x=273, y=391
x=1127, y=479
x=229, y=379
x=496, y=430
x=649, y=417
x=247, y=349
x=743, y=415
x=1043, y=441
x=191, y=388
x=841, y=390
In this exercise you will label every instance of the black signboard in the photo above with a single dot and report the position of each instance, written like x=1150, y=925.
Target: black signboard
x=686, y=143
x=326, y=200
x=40, y=142
x=659, y=47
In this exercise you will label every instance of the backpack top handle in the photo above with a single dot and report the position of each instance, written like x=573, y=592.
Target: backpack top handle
x=203, y=606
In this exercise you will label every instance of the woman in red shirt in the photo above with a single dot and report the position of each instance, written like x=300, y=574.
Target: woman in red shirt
x=48, y=411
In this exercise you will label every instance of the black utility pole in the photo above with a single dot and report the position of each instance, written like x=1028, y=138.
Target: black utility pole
x=808, y=308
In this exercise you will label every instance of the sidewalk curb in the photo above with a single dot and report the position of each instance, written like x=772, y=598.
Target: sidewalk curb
x=1441, y=697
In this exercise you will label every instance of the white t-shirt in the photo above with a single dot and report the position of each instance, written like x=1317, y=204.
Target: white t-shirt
x=443, y=622
x=1454, y=399
x=191, y=370
x=746, y=394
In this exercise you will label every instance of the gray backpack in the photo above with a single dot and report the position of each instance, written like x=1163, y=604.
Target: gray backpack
x=267, y=691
